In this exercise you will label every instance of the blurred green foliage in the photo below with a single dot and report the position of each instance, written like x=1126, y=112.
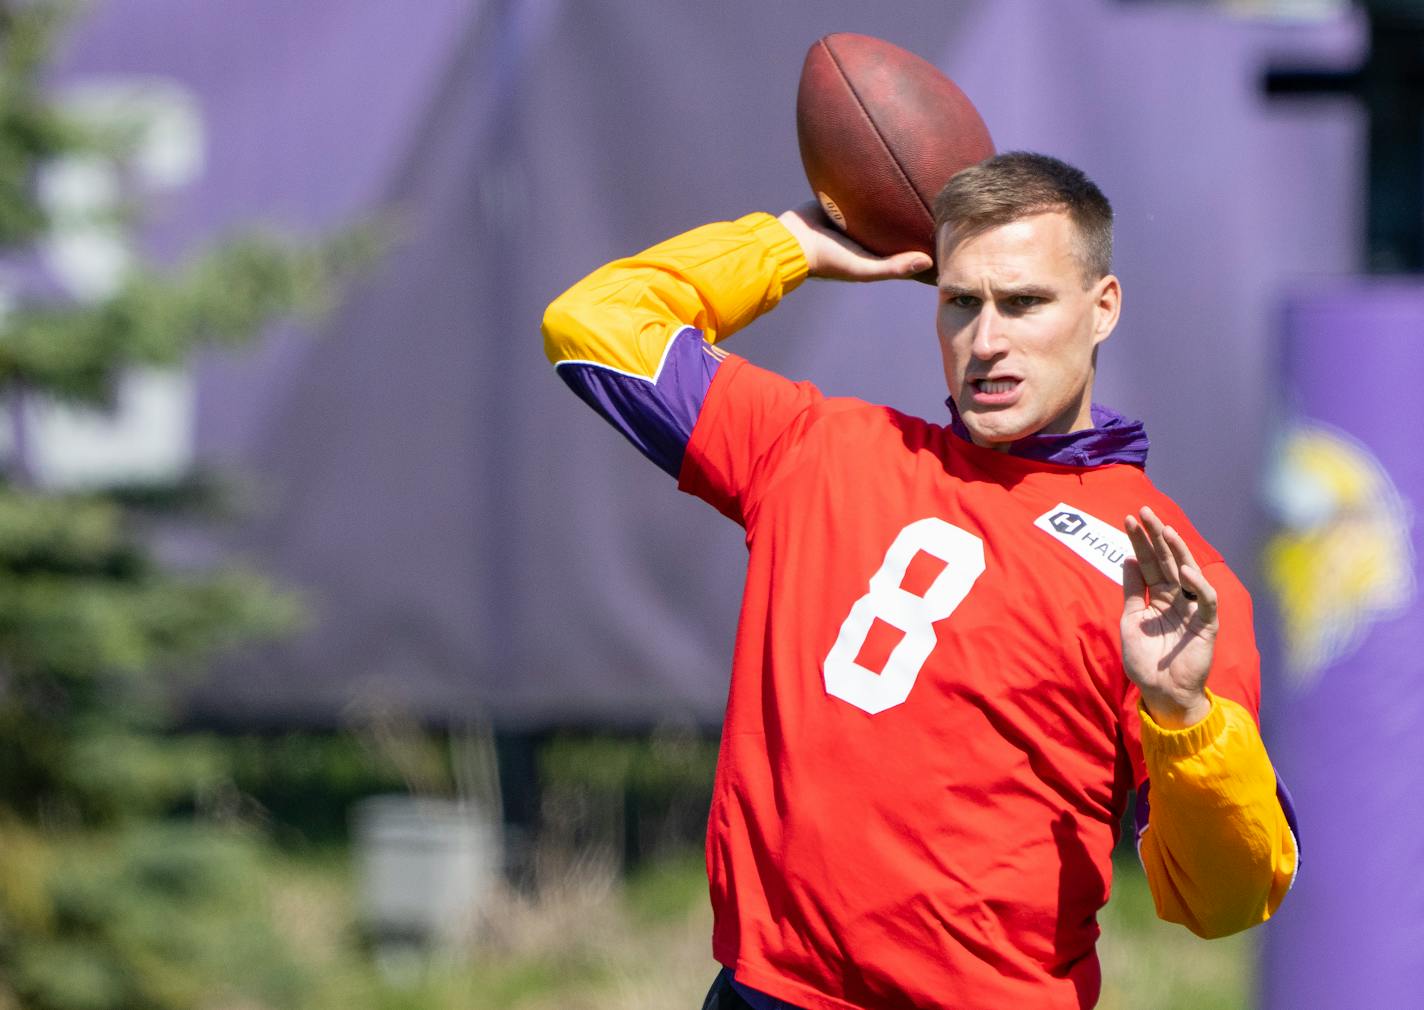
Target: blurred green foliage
x=302, y=785
x=160, y=317
x=663, y=763
x=638, y=798
x=151, y=915
x=30, y=130
x=125, y=880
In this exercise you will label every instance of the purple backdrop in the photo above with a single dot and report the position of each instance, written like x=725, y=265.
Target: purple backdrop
x=1348, y=711
x=473, y=540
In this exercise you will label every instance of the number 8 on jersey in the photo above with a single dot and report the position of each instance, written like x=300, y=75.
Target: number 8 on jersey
x=914, y=615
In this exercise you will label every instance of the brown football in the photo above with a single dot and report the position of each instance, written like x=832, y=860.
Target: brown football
x=881, y=131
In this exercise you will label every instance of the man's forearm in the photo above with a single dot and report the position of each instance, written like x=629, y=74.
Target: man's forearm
x=717, y=279
x=1218, y=851
x=631, y=339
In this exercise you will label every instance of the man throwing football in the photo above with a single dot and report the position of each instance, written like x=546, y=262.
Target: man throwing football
x=962, y=644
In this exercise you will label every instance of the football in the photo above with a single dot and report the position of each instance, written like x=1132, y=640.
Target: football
x=881, y=131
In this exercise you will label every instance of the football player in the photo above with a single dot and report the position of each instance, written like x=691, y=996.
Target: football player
x=962, y=643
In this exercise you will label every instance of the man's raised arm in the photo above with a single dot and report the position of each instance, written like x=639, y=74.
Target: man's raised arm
x=632, y=338
x=1217, y=847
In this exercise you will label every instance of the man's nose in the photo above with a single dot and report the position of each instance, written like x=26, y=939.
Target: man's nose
x=988, y=332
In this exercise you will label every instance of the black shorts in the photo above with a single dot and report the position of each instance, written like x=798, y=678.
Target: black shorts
x=722, y=996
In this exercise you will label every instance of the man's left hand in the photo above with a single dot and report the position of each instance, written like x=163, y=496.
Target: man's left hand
x=1169, y=623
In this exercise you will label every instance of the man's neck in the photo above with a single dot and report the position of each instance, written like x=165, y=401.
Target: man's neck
x=1111, y=438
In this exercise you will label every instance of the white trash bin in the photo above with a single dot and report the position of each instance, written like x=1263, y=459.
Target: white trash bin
x=424, y=867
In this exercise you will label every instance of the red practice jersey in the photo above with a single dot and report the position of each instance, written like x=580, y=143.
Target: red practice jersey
x=929, y=739
x=928, y=649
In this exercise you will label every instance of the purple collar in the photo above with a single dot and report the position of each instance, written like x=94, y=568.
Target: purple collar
x=1112, y=439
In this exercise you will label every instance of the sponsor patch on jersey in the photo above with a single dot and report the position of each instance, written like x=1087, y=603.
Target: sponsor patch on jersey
x=1099, y=543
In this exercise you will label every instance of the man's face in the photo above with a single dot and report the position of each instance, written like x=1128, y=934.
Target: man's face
x=1018, y=321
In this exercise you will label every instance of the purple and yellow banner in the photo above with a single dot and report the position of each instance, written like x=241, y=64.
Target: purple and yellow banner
x=1346, y=707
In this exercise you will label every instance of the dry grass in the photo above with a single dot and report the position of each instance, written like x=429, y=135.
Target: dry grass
x=641, y=946
x=584, y=940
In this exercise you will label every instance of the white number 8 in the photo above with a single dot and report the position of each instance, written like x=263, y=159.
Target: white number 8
x=875, y=691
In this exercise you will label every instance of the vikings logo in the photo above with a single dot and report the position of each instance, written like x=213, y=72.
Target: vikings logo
x=1341, y=559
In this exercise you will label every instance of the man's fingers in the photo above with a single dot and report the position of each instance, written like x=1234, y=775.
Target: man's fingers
x=1180, y=550
x=908, y=264
x=1195, y=582
x=833, y=255
x=1166, y=560
x=1151, y=571
x=1133, y=588
x=1165, y=568
x=857, y=264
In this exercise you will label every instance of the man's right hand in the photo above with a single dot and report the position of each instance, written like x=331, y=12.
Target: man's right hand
x=830, y=254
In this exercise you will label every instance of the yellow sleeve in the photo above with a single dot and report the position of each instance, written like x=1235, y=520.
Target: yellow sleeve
x=1218, y=851
x=717, y=278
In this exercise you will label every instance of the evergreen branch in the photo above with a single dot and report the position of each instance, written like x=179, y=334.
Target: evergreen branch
x=64, y=534
x=77, y=352
x=85, y=637
x=32, y=129
x=199, y=492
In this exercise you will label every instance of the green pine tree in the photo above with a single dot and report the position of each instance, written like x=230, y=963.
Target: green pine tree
x=113, y=894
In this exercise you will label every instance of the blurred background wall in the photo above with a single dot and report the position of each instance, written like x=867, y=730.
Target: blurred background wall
x=475, y=543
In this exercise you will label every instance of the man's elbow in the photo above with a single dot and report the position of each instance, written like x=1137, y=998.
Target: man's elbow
x=1222, y=924
x=560, y=322
x=1223, y=910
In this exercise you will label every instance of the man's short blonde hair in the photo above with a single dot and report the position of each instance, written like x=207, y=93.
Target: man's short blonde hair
x=1018, y=184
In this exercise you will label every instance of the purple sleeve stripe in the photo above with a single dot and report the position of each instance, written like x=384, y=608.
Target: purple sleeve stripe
x=655, y=414
x=1283, y=796
x=1140, y=811
x=1288, y=808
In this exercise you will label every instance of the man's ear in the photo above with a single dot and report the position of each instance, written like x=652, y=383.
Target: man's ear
x=1107, y=306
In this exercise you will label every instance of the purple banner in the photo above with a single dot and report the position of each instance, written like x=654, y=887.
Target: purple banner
x=474, y=541
x=1346, y=720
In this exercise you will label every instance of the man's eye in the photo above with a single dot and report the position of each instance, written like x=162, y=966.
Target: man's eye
x=1025, y=301
x=964, y=302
